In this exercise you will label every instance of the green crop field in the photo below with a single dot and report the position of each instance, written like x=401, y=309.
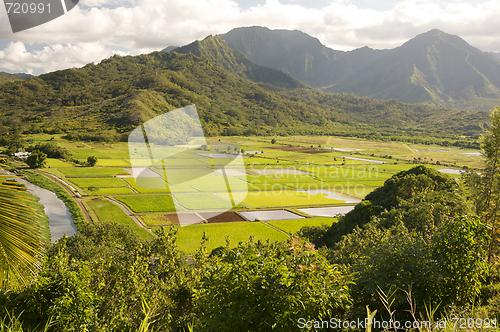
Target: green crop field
x=154, y=219
x=264, y=161
x=189, y=237
x=92, y=172
x=99, y=182
x=148, y=203
x=236, y=185
x=85, y=153
x=294, y=225
x=148, y=185
x=202, y=201
x=271, y=181
x=110, y=191
x=285, y=198
x=107, y=211
x=52, y=171
x=113, y=162
x=55, y=163
x=157, y=185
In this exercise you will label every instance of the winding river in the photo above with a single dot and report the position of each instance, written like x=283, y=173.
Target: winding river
x=60, y=221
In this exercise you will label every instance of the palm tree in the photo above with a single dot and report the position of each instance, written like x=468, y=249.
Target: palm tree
x=21, y=245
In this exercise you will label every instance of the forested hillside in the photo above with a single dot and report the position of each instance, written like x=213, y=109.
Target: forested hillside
x=106, y=101
x=214, y=48
x=6, y=77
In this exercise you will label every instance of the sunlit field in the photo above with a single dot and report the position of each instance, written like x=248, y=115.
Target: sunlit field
x=294, y=172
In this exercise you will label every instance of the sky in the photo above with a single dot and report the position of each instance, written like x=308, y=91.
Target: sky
x=97, y=29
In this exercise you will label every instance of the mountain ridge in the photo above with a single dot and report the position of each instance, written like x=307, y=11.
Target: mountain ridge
x=434, y=67
x=108, y=100
x=6, y=77
x=216, y=49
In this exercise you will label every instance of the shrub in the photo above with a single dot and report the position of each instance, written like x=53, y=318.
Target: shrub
x=36, y=159
x=255, y=288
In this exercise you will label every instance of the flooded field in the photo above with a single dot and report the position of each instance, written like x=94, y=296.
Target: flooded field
x=327, y=211
x=450, y=171
x=215, y=217
x=329, y=194
x=270, y=215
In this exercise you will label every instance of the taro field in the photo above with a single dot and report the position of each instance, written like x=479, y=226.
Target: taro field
x=188, y=187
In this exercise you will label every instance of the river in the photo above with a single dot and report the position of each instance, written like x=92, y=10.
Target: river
x=60, y=221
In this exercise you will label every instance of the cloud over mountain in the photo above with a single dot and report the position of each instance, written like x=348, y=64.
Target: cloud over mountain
x=140, y=26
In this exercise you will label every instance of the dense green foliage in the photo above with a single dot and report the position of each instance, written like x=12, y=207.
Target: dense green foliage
x=445, y=268
x=104, y=279
x=254, y=287
x=416, y=239
x=91, y=161
x=23, y=235
x=52, y=150
x=36, y=159
x=105, y=102
x=417, y=188
x=6, y=77
x=422, y=240
x=489, y=193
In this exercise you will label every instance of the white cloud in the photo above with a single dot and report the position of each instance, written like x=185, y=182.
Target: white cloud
x=16, y=58
x=85, y=33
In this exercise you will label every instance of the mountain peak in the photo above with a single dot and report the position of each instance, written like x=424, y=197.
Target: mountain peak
x=435, y=35
x=292, y=51
x=216, y=49
x=433, y=67
x=435, y=32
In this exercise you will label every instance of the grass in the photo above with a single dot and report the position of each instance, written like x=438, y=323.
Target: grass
x=187, y=162
x=155, y=219
x=107, y=211
x=113, y=162
x=265, y=161
x=295, y=225
x=88, y=172
x=84, y=153
x=278, y=178
x=54, y=163
x=356, y=178
x=52, y=171
x=189, y=237
x=148, y=203
x=110, y=191
x=203, y=201
x=99, y=182
x=148, y=185
x=235, y=185
x=285, y=198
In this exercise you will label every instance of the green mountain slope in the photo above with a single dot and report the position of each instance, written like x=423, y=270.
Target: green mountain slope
x=6, y=77
x=107, y=101
x=434, y=68
x=292, y=52
x=236, y=62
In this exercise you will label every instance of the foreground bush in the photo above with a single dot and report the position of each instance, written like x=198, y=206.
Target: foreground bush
x=263, y=287
x=106, y=279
